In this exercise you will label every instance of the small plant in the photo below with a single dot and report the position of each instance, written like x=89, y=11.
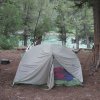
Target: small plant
x=7, y=43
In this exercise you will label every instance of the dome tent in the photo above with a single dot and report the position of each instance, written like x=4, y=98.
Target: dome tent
x=38, y=64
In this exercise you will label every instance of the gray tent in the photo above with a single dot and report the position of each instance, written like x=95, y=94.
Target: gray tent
x=38, y=63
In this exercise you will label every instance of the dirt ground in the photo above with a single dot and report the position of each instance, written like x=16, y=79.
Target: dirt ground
x=90, y=91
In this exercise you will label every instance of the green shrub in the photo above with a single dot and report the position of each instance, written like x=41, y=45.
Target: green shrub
x=7, y=43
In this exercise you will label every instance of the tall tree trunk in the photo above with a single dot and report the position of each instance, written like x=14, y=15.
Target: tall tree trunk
x=77, y=41
x=25, y=40
x=26, y=19
x=85, y=28
x=77, y=38
x=25, y=36
x=87, y=36
x=34, y=32
x=64, y=39
x=87, y=40
x=63, y=30
x=96, y=11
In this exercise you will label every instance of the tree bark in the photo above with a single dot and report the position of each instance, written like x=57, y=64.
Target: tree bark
x=85, y=28
x=96, y=11
x=77, y=41
x=25, y=36
x=26, y=19
x=87, y=40
x=34, y=33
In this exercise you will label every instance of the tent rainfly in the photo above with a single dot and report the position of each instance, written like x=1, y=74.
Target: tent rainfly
x=49, y=64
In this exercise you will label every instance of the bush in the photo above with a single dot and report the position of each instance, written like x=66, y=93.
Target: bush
x=7, y=43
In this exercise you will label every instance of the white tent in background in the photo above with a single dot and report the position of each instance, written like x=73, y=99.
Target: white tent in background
x=38, y=63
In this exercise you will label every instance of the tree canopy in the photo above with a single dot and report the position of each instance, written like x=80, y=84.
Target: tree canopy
x=35, y=17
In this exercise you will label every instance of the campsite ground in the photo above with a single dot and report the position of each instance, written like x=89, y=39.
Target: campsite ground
x=90, y=91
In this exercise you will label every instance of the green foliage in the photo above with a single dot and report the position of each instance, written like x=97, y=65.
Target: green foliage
x=9, y=18
x=8, y=43
x=35, y=17
x=63, y=9
x=80, y=3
